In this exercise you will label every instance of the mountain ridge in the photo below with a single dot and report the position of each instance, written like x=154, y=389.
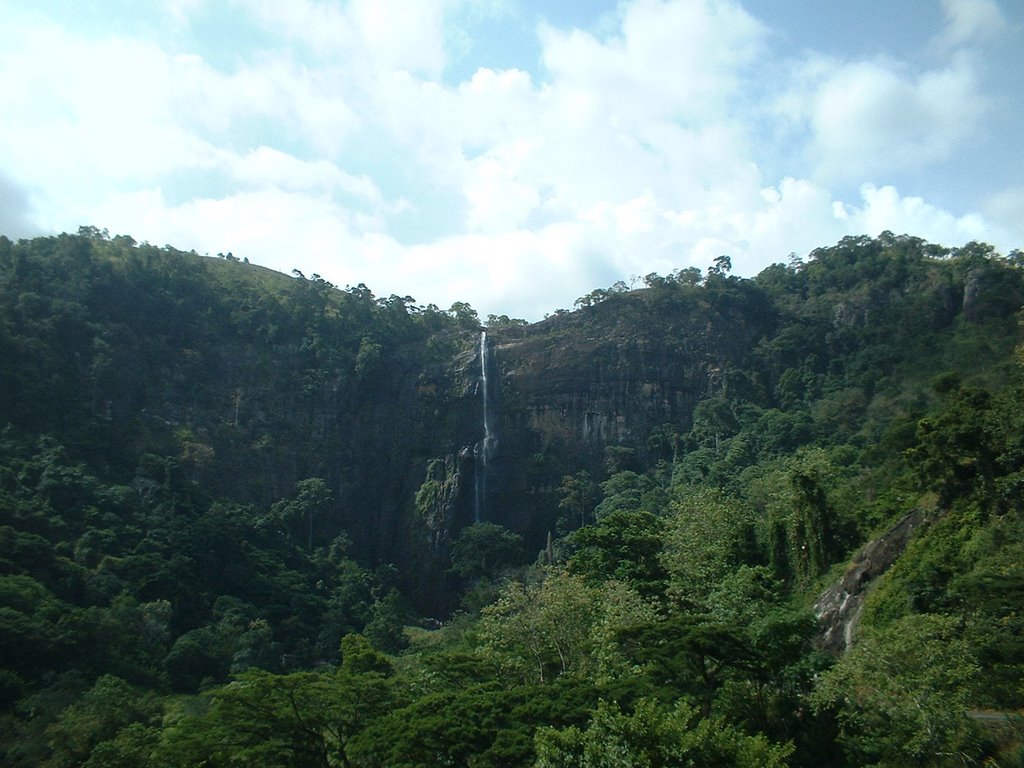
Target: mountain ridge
x=211, y=468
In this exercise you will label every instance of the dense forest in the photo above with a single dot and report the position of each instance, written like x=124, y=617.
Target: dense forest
x=251, y=519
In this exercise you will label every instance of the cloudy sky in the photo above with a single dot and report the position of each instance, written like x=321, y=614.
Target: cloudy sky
x=515, y=154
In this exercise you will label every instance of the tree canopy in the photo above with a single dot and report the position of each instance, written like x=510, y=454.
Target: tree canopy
x=237, y=519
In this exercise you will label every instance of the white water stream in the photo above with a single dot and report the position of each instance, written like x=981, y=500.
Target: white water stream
x=483, y=448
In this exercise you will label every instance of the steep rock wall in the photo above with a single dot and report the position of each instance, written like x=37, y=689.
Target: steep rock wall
x=839, y=607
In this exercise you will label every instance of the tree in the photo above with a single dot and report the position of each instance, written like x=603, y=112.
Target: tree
x=799, y=527
x=631, y=492
x=299, y=719
x=134, y=746
x=539, y=631
x=691, y=654
x=385, y=629
x=652, y=735
x=902, y=694
x=813, y=519
x=255, y=648
x=773, y=681
x=704, y=537
x=621, y=545
x=579, y=494
x=722, y=266
x=200, y=656
x=504, y=321
x=594, y=297
x=713, y=422
x=482, y=549
x=465, y=316
x=956, y=450
x=562, y=626
x=98, y=716
x=312, y=499
x=478, y=724
x=689, y=276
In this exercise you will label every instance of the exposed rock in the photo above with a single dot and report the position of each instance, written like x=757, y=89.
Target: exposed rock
x=839, y=607
x=973, y=291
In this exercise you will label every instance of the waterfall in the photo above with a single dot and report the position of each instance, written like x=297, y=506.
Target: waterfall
x=482, y=452
x=485, y=359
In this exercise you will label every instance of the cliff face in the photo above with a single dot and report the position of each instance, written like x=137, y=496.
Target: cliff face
x=611, y=376
x=839, y=607
x=564, y=398
x=243, y=382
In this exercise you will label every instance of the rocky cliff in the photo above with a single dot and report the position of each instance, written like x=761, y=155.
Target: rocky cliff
x=839, y=607
x=181, y=372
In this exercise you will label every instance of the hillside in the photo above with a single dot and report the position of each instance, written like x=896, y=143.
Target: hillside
x=528, y=541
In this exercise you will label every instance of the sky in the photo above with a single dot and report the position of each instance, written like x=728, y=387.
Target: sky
x=512, y=154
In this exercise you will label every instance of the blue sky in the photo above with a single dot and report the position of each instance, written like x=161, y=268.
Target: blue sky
x=515, y=155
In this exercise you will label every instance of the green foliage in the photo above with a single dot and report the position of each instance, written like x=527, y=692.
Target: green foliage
x=650, y=735
x=312, y=499
x=622, y=546
x=481, y=724
x=536, y=632
x=387, y=621
x=813, y=527
x=578, y=496
x=100, y=715
x=208, y=469
x=703, y=542
x=197, y=657
x=539, y=631
x=465, y=316
x=902, y=695
x=483, y=549
x=956, y=451
x=691, y=653
x=504, y=321
x=134, y=746
x=304, y=718
x=359, y=657
x=630, y=491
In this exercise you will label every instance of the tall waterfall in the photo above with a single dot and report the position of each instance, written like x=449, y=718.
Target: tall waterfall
x=482, y=452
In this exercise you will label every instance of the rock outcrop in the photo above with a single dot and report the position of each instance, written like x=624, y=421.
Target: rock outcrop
x=839, y=607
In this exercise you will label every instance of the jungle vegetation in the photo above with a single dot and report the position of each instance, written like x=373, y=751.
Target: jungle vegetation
x=219, y=536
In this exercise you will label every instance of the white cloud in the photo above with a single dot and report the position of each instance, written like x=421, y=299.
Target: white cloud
x=367, y=36
x=523, y=272
x=519, y=271
x=323, y=27
x=124, y=110
x=1008, y=204
x=587, y=136
x=651, y=108
x=970, y=21
x=283, y=230
x=494, y=106
x=498, y=199
x=104, y=112
x=180, y=11
x=885, y=209
x=638, y=149
x=1005, y=209
x=798, y=216
x=15, y=210
x=870, y=117
x=402, y=35
x=674, y=59
x=265, y=167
